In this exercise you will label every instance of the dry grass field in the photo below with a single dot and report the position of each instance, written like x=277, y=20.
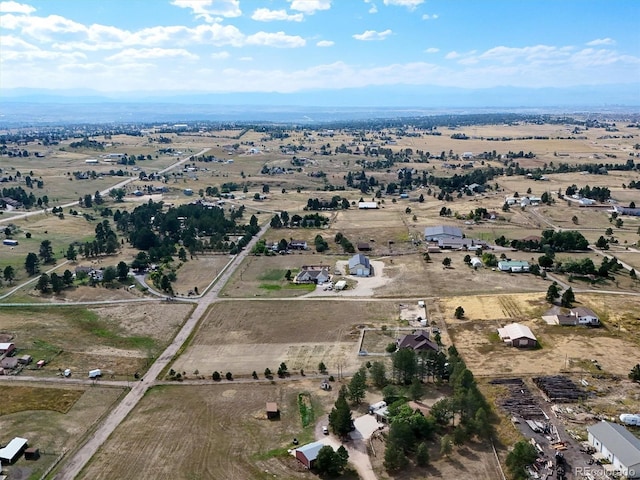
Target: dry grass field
x=210, y=431
x=562, y=348
x=118, y=339
x=52, y=419
x=243, y=336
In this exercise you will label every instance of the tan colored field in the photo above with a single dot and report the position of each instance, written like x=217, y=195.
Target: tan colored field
x=199, y=272
x=51, y=431
x=211, y=431
x=119, y=339
x=563, y=348
x=241, y=336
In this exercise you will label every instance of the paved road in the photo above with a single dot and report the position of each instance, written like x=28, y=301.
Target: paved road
x=76, y=463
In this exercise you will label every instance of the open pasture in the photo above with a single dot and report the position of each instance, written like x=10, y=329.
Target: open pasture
x=209, y=431
x=119, y=339
x=53, y=419
x=243, y=336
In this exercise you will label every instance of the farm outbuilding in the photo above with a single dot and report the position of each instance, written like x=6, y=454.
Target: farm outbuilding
x=618, y=445
x=7, y=348
x=513, y=266
x=359, y=265
x=10, y=242
x=307, y=454
x=433, y=234
x=9, y=363
x=367, y=205
x=517, y=335
x=12, y=451
x=272, y=410
x=32, y=453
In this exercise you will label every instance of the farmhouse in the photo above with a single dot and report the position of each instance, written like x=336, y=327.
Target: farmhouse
x=579, y=316
x=360, y=266
x=517, y=335
x=367, y=205
x=7, y=348
x=298, y=245
x=618, y=445
x=307, y=454
x=433, y=234
x=318, y=274
x=513, y=266
x=13, y=450
x=10, y=242
x=418, y=341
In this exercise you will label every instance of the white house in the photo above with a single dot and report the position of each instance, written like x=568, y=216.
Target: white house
x=579, y=316
x=618, y=445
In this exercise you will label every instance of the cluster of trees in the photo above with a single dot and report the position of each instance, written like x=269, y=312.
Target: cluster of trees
x=600, y=194
x=336, y=202
x=312, y=220
x=27, y=200
x=549, y=243
x=567, y=299
x=344, y=242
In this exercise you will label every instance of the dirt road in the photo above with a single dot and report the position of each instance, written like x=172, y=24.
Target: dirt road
x=76, y=463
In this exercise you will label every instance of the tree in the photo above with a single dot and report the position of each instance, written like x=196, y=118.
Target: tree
x=358, y=386
x=72, y=254
x=32, y=264
x=340, y=417
x=122, y=271
x=394, y=458
x=57, y=284
x=216, y=376
x=9, y=274
x=43, y=283
x=282, y=370
x=523, y=454
x=322, y=368
x=109, y=274
x=446, y=262
x=415, y=389
x=467, y=259
x=552, y=292
x=117, y=194
x=182, y=254
x=378, y=374
x=46, y=252
x=635, y=373
x=446, y=445
x=405, y=365
x=481, y=424
x=422, y=455
x=602, y=243
x=545, y=261
x=267, y=373
x=567, y=298
x=228, y=376
x=331, y=463
x=459, y=313
x=67, y=277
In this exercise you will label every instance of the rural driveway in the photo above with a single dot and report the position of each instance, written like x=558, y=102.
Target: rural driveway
x=76, y=463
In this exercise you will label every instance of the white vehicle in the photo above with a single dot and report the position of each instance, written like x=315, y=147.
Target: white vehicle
x=67, y=372
x=95, y=373
x=325, y=430
x=630, y=419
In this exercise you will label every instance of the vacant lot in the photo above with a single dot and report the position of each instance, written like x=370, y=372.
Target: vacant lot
x=119, y=339
x=243, y=336
x=52, y=419
x=210, y=431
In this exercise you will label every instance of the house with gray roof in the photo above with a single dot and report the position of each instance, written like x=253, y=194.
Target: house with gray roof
x=433, y=234
x=618, y=445
x=360, y=266
x=317, y=274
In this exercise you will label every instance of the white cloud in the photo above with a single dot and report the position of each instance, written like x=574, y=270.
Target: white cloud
x=151, y=53
x=246, y=59
x=266, y=15
x=15, y=7
x=432, y=50
x=208, y=9
x=370, y=35
x=410, y=4
x=373, y=9
x=452, y=55
x=310, y=7
x=426, y=16
x=325, y=43
x=220, y=55
x=277, y=40
x=601, y=41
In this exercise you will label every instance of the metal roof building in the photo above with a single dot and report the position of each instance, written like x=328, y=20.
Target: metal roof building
x=517, y=335
x=433, y=234
x=618, y=445
x=308, y=453
x=13, y=450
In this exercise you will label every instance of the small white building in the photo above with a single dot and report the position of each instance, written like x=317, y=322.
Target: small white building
x=618, y=445
x=367, y=205
x=476, y=262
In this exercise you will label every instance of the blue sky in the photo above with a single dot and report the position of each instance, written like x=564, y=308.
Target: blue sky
x=286, y=46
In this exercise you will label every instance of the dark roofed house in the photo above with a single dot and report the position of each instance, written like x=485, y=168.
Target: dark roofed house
x=418, y=341
x=298, y=245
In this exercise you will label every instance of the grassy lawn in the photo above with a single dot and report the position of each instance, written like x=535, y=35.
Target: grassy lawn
x=22, y=398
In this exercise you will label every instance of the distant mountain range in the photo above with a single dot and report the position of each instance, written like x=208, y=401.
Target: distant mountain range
x=19, y=106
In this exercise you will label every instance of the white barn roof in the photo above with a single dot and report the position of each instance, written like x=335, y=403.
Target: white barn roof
x=516, y=330
x=12, y=449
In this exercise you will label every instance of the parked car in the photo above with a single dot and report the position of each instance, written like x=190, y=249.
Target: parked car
x=325, y=430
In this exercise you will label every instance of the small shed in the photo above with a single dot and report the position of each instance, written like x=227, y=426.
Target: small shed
x=272, y=410
x=32, y=453
x=364, y=246
x=25, y=359
x=307, y=454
